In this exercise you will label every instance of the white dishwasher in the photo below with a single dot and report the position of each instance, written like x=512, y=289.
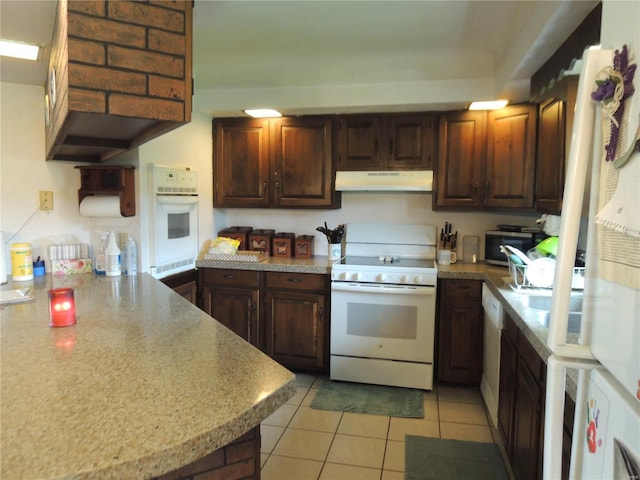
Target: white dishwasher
x=490, y=383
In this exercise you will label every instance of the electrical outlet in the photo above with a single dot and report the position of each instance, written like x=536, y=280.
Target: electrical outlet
x=46, y=200
x=122, y=240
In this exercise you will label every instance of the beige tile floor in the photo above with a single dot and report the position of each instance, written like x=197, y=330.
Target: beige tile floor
x=302, y=443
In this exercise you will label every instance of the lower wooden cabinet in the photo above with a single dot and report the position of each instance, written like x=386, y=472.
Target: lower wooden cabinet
x=296, y=319
x=185, y=284
x=283, y=314
x=232, y=297
x=521, y=405
x=461, y=331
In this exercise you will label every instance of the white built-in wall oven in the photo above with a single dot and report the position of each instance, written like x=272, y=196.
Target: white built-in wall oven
x=383, y=302
x=173, y=229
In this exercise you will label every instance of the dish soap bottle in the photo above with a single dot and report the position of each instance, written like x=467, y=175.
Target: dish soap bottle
x=130, y=263
x=113, y=257
x=101, y=255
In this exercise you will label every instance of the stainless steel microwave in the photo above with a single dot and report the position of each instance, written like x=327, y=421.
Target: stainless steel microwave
x=520, y=240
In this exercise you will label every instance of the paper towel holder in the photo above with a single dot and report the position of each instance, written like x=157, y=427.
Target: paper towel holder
x=109, y=180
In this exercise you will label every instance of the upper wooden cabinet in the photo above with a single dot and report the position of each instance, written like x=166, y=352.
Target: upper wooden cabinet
x=386, y=142
x=119, y=75
x=280, y=163
x=486, y=160
x=551, y=156
x=461, y=153
x=511, y=150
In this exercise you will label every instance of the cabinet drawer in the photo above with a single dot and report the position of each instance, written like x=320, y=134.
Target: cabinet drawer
x=229, y=277
x=296, y=281
x=462, y=288
x=531, y=358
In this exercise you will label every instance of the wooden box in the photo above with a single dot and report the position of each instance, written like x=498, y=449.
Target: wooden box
x=282, y=244
x=260, y=240
x=304, y=246
x=238, y=233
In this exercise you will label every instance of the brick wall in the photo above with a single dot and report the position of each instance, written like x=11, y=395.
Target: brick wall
x=130, y=58
x=240, y=460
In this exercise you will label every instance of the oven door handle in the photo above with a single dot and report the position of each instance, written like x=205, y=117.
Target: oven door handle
x=177, y=199
x=381, y=288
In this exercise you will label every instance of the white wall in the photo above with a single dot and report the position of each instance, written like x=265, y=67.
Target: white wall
x=24, y=171
x=412, y=208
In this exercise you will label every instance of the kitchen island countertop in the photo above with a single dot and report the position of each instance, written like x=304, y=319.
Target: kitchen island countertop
x=143, y=384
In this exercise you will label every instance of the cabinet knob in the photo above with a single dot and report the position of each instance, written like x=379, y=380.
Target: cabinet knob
x=475, y=186
x=230, y=276
x=277, y=186
x=486, y=184
x=294, y=279
x=264, y=185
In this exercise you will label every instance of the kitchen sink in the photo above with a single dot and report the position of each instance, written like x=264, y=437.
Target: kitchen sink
x=539, y=307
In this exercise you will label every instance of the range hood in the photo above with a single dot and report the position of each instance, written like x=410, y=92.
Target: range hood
x=385, y=181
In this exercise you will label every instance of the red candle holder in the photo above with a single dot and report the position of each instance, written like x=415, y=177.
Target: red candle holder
x=62, y=307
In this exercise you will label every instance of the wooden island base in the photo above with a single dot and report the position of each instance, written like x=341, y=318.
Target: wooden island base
x=239, y=460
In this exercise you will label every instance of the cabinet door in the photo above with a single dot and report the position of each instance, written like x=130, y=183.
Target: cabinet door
x=460, y=341
x=507, y=394
x=185, y=284
x=551, y=156
x=510, y=167
x=241, y=163
x=295, y=328
x=302, y=168
x=526, y=430
x=359, y=143
x=460, y=163
x=235, y=308
x=410, y=142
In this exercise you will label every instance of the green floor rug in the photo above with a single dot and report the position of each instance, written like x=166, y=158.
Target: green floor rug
x=370, y=399
x=438, y=458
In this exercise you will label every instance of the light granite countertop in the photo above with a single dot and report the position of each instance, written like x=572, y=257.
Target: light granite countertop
x=143, y=384
x=315, y=264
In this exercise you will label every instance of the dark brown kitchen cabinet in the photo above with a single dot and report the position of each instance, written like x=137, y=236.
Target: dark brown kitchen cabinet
x=386, y=142
x=278, y=163
x=185, y=284
x=119, y=75
x=296, y=320
x=232, y=297
x=460, y=162
x=521, y=404
x=510, y=165
x=461, y=332
x=486, y=160
x=551, y=156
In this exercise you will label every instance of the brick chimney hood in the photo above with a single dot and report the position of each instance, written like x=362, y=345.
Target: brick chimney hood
x=119, y=75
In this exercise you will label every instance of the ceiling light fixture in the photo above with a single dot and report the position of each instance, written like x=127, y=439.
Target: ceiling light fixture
x=19, y=50
x=263, y=113
x=488, y=105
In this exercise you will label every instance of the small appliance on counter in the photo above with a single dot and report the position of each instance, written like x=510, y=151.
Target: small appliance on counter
x=522, y=238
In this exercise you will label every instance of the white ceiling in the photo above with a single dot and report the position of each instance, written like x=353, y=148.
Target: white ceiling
x=345, y=56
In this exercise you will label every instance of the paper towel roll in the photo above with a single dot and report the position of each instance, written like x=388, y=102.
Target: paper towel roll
x=100, y=206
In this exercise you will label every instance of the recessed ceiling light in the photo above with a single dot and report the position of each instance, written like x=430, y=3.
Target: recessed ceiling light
x=488, y=105
x=19, y=50
x=263, y=113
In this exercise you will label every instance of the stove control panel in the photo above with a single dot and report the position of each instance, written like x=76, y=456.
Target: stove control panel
x=396, y=278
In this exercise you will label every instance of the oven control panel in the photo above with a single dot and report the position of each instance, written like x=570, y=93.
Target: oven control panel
x=396, y=278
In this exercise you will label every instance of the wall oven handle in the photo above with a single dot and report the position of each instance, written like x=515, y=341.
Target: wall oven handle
x=382, y=289
x=177, y=199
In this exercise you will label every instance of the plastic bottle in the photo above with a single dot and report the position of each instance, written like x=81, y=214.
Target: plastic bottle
x=113, y=256
x=130, y=262
x=101, y=255
x=21, y=262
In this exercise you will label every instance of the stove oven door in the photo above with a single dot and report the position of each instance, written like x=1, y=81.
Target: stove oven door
x=392, y=322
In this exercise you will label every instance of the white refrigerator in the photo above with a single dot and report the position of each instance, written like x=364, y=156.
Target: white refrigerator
x=606, y=435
